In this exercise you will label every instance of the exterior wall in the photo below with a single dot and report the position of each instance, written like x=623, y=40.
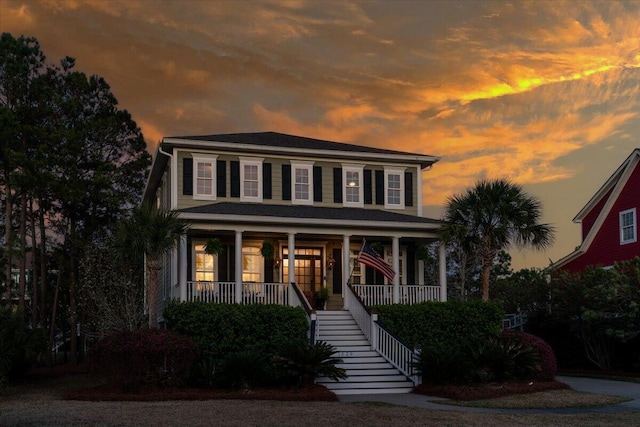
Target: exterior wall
x=187, y=201
x=591, y=217
x=606, y=248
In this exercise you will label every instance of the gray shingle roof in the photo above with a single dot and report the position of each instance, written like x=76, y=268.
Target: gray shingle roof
x=308, y=212
x=275, y=139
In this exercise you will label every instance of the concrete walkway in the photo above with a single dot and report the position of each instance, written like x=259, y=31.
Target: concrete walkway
x=615, y=388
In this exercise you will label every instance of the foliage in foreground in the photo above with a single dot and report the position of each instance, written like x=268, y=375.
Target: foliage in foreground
x=19, y=346
x=512, y=356
x=133, y=359
x=442, y=324
x=305, y=363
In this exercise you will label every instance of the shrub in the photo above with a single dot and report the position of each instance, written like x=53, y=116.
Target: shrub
x=442, y=365
x=220, y=329
x=548, y=367
x=306, y=362
x=242, y=370
x=442, y=324
x=132, y=359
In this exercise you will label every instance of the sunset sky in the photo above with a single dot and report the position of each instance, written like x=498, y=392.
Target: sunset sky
x=544, y=93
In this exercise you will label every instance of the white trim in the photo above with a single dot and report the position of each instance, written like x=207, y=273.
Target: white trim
x=204, y=158
x=302, y=165
x=419, y=191
x=251, y=161
x=400, y=173
x=350, y=168
x=173, y=171
x=634, y=225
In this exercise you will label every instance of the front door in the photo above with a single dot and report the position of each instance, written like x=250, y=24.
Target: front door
x=308, y=269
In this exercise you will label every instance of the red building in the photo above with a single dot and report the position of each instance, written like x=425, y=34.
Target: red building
x=609, y=221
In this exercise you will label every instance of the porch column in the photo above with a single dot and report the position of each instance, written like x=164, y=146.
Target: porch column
x=183, y=267
x=442, y=271
x=346, y=269
x=395, y=251
x=238, y=267
x=291, y=243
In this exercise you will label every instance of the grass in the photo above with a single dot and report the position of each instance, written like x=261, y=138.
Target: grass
x=553, y=399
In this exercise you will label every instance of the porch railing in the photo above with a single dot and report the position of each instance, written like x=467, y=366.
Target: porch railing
x=409, y=294
x=400, y=355
x=252, y=292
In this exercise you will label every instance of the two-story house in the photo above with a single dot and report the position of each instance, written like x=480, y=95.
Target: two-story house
x=313, y=201
x=609, y=221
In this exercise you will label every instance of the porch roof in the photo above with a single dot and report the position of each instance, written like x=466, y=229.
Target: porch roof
x=294, y=212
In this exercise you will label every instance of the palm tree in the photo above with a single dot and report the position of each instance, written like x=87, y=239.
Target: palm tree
x=153, y=232
x=492, y=216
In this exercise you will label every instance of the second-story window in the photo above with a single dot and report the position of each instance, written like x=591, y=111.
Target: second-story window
x=250, y=179
x=204, y=177
x=628, y=226
x=394, y=188
x=353, y=188
x=302, y=183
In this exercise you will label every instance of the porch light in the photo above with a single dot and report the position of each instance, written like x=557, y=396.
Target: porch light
x=277, y=261
x=330, y=263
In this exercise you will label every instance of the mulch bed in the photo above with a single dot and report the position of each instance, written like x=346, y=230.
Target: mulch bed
x=487, y=391
x=114, y=393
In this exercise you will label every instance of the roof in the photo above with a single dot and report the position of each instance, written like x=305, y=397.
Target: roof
x=613, y=186
x=307, y=212
x=275, y=139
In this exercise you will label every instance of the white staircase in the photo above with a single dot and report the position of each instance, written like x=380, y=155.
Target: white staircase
x=368, y=372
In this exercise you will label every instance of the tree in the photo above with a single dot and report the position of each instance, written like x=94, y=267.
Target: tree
x=151, y=231
x=492, y=216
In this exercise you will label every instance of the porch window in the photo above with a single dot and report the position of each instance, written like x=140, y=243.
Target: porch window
x=353, y=188
x=301, y=179
x=204, y=176
x=394, y=186
x=252, y=264
x=204, y=265
x=628, y=232
x=250, y=177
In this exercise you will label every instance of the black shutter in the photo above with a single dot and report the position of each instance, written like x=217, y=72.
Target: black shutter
x=223, y=265
x=408, y=189
x=368, y=196
x=337, y=185
x=266, y=181
x=379, y=187
x=187, y=176
x=317, y=183
x=286, y=182
x=235, y=178
x=411, y=266
x=221, y=178
x=268, y=270
x=337, y=271
x=369, y=278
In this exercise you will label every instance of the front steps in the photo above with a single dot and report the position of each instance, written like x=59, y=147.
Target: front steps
x=368, y=372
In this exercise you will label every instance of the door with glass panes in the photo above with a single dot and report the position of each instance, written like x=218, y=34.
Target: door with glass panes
x=307, y=269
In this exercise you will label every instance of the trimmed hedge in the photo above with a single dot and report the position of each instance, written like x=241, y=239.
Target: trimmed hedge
x=442, y=324
x=220, y=329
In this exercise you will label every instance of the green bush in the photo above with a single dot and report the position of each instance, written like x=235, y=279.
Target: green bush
x=242, y=370
x=305, y=363
x=444, y=365
x=19, y=346
x=548, y=367
x=220, y=329
x=132, y=359
x=438, y=324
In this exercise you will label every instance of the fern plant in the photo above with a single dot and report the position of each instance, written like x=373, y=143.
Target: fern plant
x=307, y=362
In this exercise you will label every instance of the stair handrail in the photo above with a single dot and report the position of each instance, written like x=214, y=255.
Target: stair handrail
x=382, y=341
x=311, y=313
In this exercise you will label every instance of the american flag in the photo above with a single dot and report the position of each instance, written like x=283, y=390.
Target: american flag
x=368, y=256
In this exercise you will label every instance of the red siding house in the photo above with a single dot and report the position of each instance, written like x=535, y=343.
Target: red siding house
x=609, y=221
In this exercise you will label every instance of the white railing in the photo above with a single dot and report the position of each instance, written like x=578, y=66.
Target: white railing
x=225, y=292
x=382, y=341
x=409, y=294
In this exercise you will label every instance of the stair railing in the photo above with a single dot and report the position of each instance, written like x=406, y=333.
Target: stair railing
x=299, y=299
x=389, y=346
